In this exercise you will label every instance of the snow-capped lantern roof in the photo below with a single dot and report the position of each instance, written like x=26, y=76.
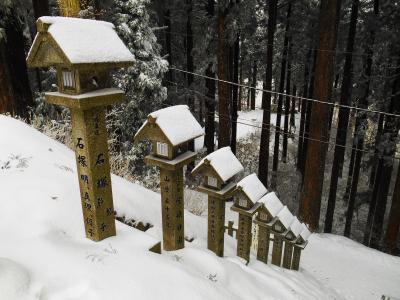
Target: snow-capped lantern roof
x=175, y=124
x=222, y=162
x=252, y=187
x=285, y=217
x=294, y=229
x=74, y=41
x=271, y=203
x=304, y=233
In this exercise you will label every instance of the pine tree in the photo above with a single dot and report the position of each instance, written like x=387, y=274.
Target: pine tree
x=142, y=83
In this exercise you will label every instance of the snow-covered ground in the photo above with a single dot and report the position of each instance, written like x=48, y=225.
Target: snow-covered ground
x=44, y=254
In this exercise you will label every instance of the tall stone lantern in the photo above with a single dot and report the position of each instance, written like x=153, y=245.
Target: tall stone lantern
x=83, y=52
x=249, y=190
x=218, y=170
x=269, y=209
x=170, y=130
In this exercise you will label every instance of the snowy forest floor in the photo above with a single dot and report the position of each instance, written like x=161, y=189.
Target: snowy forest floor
x=44, y=254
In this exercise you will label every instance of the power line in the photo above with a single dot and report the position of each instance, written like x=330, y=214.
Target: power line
x=281, y=132
x=288, y=95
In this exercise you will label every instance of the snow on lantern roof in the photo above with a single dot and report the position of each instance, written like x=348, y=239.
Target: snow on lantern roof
x=224, y=162
x=176, y=123
x=252, y=187
x=305, y=233
x=271, y=203
x=285, y=216
x=64, y=40
x=296, y=227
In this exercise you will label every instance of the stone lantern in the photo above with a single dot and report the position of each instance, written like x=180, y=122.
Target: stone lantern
x=279, y=225
x=249, y=190
x=290, y=237
x=218, y=170
x=83, y=52
x=300, y=243
x=170, y=130
x=269, y=208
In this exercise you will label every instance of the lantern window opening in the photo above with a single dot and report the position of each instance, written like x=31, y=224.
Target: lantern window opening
x=264, y=216
x=68, y=79
x=278, y=227
x=212, y=181
x=242, y=202
x=162, y=149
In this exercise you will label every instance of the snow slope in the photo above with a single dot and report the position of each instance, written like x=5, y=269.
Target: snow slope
x=44, y=255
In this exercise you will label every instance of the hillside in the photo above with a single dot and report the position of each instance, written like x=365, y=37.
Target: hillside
x=44, y=254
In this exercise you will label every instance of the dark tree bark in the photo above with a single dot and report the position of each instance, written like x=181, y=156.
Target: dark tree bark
x=210, y=113
x=254, y=85
x=382, y=183
x=240, y=96
x=235, y=93
x=266, y=97
x=377, y=140
x=310, y=201
x=303, y=111
x=40, y=8
x=306, y=134
x=287, y=104
x=343, y=119
x=278, y=133
x=361, y=123
x=223, y=88
x=392, y=231
x=210, y=96
x=293, y=109
x=16, y=95
x=190, y=68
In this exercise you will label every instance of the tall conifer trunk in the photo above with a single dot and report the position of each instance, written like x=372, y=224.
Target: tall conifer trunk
x=275, y=161
x=223, y=88
x=287, y=104
x=361, y=119
x=343, y=119
x=254, y=85
x=266, y=97
x=310, y=201
x=16, y=95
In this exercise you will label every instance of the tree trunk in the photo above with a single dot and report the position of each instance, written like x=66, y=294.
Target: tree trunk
x=343, y=119
x=303, y=111
x=275, y=161
x=293, y=109
x=40, y=8
x=361, y=123
x=394, y=218
x=69, y=8
x=254, y=85
x=382, y=182
x=240, y=103
x=16, y=95
x=266, y=97
x=308, y=117
x=235, y=93
x=210, y=113
x=223, y=88
x=287, y=104
x=310, y=201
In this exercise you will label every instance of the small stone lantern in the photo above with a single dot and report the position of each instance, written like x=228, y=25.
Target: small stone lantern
x=218, y=170
x=290, y=236
x=279, y=225
x=249, y=190
x=300, y=243
x=170, y=130
x=83, y=52
x=270, y=206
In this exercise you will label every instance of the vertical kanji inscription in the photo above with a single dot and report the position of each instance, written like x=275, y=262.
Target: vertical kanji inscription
x=91, y=150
